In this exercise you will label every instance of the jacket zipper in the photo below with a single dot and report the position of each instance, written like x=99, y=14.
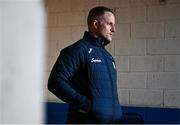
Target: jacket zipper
x=109, y=71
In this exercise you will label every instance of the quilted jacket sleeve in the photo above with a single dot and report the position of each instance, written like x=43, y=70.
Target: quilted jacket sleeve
x=64, y=69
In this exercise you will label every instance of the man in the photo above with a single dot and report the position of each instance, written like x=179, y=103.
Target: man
x=84, y=75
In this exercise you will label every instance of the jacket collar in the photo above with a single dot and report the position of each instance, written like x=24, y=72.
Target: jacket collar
x=96, y=41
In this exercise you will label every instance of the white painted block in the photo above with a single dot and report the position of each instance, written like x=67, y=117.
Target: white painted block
x=172, y=63
x=135, y=3
x=52, y=19
x=83, y=5
x=160, y=46
x=58, y=5
x=172, y=98
x=146, y=63
x=172, y=29
x=52, y=48
x=71, y=19
x=145, y=97
x=122, y=32
x=78, y=32
x=59, y=34
x=129, y=47
x=114, y=3
x=163, y=80
x=123, y=96
x=132, y=80
x=51, y=62
x=163, y=13
x=147, y=30
x=131, y=15
x=122, y=63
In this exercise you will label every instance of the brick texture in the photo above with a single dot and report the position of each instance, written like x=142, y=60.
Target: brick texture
x=165, y=47
x=147, y=30
x=58, y=5
x=124, y=96
x=71, y=19
x=129, y=15
x=115, y=3
x=163, y=13
x=172, y=63
x=146, y=63
x=172, y=98
x=146, y=45
x=129, y=47
x=172, y=29
x=163, y=80
x=122, y=32
x=146, y=97
x=131, y=80
x=122, y=63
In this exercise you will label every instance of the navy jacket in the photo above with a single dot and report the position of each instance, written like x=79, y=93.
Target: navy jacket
x=84, y=76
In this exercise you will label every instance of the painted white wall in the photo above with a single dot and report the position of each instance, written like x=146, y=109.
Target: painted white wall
x=22, y=47
x=0, y=57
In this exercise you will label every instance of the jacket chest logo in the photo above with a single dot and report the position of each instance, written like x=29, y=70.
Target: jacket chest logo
x=95, y=60
x=114, y=65
x=90, y=50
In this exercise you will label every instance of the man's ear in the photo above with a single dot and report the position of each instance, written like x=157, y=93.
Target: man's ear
x=95, y=24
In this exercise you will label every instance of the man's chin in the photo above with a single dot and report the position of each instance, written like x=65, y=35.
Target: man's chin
x=109, y=40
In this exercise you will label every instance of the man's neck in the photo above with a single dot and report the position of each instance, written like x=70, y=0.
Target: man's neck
x=93, y=34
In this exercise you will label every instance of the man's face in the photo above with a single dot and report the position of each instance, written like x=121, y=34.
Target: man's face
x=106, y=26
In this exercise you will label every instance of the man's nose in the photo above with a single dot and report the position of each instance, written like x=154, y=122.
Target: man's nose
x=113, y=29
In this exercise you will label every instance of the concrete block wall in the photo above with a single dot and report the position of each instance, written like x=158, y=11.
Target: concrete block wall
x=146, y=46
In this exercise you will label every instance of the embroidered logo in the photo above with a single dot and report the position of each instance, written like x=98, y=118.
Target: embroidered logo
x=90, y=49
x=96, y=60
x=114, y=65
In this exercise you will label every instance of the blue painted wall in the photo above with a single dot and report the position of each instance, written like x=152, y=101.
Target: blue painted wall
x=57, y=113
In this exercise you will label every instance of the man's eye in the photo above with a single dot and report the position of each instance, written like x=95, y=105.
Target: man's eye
x=111, y=24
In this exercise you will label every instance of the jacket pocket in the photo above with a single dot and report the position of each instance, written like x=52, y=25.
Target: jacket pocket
x=102, y=110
